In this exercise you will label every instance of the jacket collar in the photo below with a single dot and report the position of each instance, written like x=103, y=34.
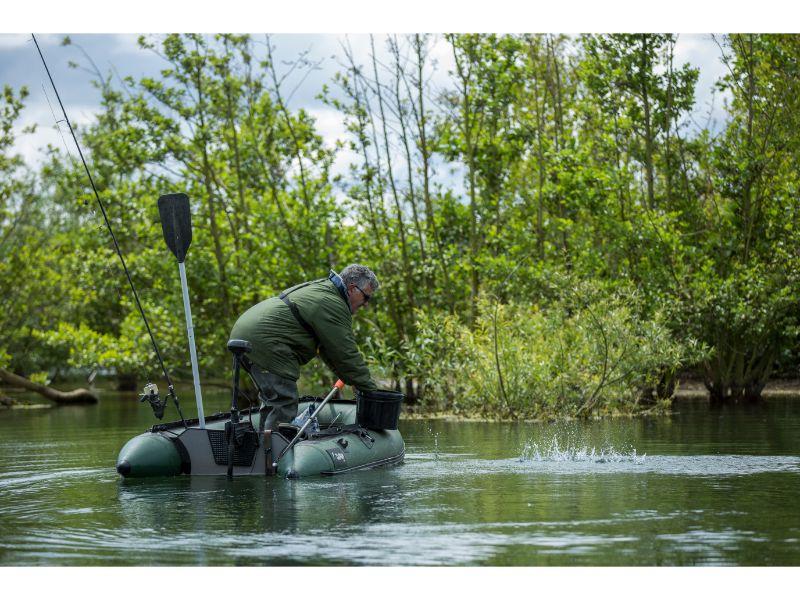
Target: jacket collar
x=339, y=285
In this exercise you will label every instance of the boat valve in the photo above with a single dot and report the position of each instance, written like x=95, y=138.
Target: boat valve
x=150, y=394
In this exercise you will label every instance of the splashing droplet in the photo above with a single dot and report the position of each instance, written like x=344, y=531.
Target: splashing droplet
x=552, y=451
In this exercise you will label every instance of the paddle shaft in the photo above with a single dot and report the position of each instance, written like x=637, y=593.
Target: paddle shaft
x=192, y=350
x=337, y=386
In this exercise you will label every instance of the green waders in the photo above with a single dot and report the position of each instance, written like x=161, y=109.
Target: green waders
x=278, y=397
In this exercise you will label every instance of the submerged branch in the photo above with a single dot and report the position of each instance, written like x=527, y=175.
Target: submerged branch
x=78, y=396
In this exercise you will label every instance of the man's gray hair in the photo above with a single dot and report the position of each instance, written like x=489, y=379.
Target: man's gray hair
x=359, y=275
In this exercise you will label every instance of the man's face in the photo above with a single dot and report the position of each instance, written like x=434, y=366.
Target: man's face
x=358, y=296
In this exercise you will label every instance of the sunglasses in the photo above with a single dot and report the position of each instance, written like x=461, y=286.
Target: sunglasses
x=363, y=293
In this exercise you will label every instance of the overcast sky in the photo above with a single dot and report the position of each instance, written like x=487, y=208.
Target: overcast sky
x=20, y=65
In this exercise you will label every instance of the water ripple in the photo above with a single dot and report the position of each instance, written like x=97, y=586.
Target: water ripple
x=21, y=479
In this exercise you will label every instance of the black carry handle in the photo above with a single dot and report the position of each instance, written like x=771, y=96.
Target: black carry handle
x=176, y=222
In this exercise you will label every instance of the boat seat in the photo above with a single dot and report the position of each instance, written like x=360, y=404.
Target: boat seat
x=239, y=347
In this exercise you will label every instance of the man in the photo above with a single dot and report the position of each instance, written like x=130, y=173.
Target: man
x=308, y=319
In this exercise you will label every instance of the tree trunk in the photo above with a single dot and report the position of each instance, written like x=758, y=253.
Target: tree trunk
x=79, y=396
x=207, y=175
x=467, y=112
x=408, y=275
x=644, y=69
x=734, y=393
x=6, y=402
x=426, y=152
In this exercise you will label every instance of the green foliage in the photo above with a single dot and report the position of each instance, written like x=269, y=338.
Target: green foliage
x=41, y=378
x=741, y=291
x=485, y=206
x=585, y=353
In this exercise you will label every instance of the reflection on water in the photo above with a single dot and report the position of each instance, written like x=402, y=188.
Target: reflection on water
x=698, y=487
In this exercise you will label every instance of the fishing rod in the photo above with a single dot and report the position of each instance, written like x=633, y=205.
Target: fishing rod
x=150, y=392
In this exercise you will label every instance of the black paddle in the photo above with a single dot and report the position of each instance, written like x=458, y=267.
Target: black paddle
x=176, y=223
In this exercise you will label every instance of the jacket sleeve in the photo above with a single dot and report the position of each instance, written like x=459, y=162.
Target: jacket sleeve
x=338, y=347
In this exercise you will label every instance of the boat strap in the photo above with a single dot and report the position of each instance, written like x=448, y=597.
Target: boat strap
x=366, y=438
x=296, y=312
x=186, y=461
x=268, y=468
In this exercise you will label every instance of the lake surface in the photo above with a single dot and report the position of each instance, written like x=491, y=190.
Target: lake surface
x=699, y=487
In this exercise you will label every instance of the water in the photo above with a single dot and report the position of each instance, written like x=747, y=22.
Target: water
x=701, y=487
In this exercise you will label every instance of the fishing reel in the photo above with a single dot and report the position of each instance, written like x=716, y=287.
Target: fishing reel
x=151, y=395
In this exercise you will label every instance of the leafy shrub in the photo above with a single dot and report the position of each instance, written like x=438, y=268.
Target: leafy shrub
x=586, y=353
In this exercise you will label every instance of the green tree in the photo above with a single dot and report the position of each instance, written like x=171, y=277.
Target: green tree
x=744, y=295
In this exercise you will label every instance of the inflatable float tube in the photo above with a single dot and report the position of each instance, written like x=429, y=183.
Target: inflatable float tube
x=340, y=446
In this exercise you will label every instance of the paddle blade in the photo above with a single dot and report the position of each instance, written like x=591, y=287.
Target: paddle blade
x=176, y=223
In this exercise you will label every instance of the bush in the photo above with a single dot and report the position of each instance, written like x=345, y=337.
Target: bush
x=585, y=353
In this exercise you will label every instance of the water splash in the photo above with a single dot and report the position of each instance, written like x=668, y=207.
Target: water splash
x=435, y=443
x=552, y=451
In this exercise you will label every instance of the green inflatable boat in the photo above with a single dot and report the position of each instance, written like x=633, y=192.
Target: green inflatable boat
x=339, y=446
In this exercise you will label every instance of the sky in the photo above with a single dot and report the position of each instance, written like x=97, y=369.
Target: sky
x=294, y=22
x=20, y=65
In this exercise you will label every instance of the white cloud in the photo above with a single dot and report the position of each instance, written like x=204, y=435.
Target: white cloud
x=13, y=40
x=126, y=43
x=442, y=53
x=330, y=125
x=31, y=145
x=700, y=50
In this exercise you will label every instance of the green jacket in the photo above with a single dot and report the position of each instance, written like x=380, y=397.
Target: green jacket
x=281, y=344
